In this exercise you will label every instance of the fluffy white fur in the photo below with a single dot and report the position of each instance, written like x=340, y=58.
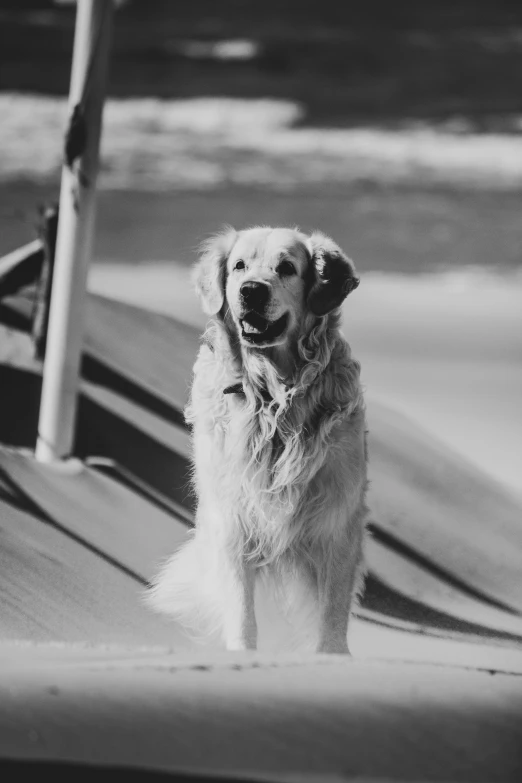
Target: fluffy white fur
x=280, y=470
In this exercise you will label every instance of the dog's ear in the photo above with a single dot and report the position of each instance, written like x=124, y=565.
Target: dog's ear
x=209, y=274
x=334, y=275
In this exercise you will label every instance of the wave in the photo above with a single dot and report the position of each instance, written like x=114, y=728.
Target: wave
x=205, y=143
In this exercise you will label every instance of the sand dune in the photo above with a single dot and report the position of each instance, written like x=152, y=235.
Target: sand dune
x=109, y=690
x=442, y=349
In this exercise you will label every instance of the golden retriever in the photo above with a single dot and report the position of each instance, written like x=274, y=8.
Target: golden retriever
x=279, y=440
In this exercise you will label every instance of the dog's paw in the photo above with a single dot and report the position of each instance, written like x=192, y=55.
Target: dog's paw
x=333, y=647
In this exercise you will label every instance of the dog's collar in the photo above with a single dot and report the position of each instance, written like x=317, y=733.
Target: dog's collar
x=237, y=388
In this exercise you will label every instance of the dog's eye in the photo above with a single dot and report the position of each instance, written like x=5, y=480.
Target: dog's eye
x=286, y=268
x=239, y=264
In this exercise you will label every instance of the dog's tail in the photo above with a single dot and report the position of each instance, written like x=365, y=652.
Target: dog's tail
x=187, y=590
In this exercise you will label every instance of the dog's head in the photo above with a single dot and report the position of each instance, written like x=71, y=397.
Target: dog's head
x=269, y=279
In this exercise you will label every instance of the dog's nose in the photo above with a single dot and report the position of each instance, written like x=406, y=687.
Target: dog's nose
x=255, y=295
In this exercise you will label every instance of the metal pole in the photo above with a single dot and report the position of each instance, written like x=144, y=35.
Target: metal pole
x=75, y=231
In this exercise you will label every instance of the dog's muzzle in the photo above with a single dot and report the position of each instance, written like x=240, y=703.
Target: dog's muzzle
x=258, y=330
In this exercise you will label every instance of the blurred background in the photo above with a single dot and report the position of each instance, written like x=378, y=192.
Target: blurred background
x=394, y=127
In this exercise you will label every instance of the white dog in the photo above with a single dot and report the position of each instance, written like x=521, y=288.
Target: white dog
x=279, y=440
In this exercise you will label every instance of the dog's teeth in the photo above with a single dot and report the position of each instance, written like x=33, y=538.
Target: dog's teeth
x=249, y=328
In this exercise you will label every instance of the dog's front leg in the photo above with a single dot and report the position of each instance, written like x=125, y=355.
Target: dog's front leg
x=336, y=584
x=240, y=627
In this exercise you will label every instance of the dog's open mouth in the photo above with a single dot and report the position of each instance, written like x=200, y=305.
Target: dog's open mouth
x=258, y=330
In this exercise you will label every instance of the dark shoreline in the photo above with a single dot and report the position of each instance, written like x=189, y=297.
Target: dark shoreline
x=394, y=229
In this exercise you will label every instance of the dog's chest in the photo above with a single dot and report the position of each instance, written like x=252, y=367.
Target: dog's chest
x=237, y=445
x=241, y=434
